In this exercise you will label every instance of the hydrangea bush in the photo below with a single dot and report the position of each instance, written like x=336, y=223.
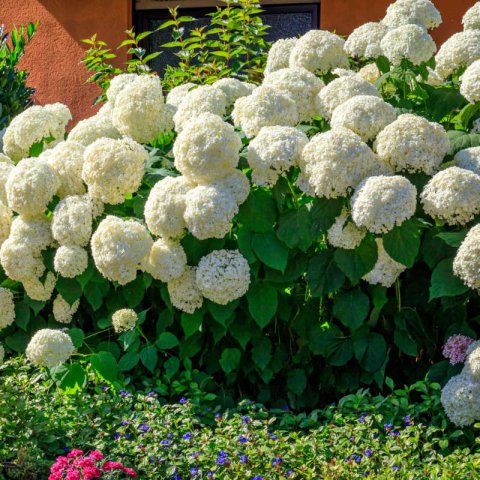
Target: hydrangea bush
x=291, y=240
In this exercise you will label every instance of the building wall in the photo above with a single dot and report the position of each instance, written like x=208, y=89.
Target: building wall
x=54, y=55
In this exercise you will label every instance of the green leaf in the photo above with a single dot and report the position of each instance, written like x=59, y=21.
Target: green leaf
x=294, y=228
x=74, y=379
x=262, y=352
x=351, y=308
x=454, y=239
x=191, y=323
x=105, y=366
x=77, y=336
x=340, y=351
x=18, y=341
x=128, y=361
x=444, y=283
x=22, y=315
x=36, y=149
x=461, y=141
x=259, y=212
x=149, y=357
x=171, y=367
x=221, y=313
x=323, y=213
x=244, y=240
x=230, y=359
x=357, y=262
x=405, y=342
x=297, y=381
x=402, y=243
x=262, y=301
x=134, y=291
x=69, y=289
x=323, y=274
x=370, y=349
x=270, y=250
x=129, y=339
x=166, y=341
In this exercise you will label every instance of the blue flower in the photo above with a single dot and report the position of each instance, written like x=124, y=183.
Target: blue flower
x=257, y=477
x=125, y=422
x=242, y=439
x=66, y=449
x=127, y=435
x=358, y=458
x=368, y=452
x=273, y=437
x=246, y=420
x=277, y=462
x=210, y=474
x=165, y=443
x=144, y=427
x=195, y=454
x=217, y=415
x=183, y=401
x=187, y=436
x=388, y=426
x=194, y=471
x=151, y=394
x=117, y=435
x=244, y=458
x=396, y=468
x=289, y=472
x=408, y=420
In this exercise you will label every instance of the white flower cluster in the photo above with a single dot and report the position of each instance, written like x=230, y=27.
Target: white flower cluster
x=273, y=151
x=70, y=260
x=461, y=395
x=466, y=264
x=452, y=195
x=184, y=292
x=279, y=54
x=7, y=308
x=413, y=144
x=344, y=233
x=469, y=159
x=176, y=94
x=335, y=162
x=234, y=89
x=49, y=348
x=370, y=73
x=471, y=19
x=63, y=312
x=124, y=319
x=36, y=124
x=167, y=260
x=365, y=40
x=382, y=202
x=470, y=82
x=422, y=13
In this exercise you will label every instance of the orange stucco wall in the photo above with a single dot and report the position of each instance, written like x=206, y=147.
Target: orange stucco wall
x=54, y=54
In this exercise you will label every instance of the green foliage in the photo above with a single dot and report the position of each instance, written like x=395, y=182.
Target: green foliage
x=15, y=96
x=400, y=435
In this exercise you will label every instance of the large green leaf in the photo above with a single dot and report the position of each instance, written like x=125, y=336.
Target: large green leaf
x=230, y=359
x=128, y=361
x=171, y=366
x=324, y=212
x=134, y=291
x=74, y=378
x=270, y=250
x=105, y=365
x=167, y=341
x=191, y=322
x=262, y=352
x=294, y=228
x=323, y=274
x=351, y=308
x=461, y=140
x=370, y=349
x=69, y=289
x=221, y=313
x=357, y=262
x=77, y=336
x=402, y=243
x=262, y=301
x=22, y=315
x=259, y=212
x=297, y=381
x=444, y=283
x=149, y=357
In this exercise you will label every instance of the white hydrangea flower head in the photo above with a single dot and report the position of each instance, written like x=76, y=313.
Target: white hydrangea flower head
x=419, y=12
x=139, y=111
x=38, y=290
x=461, y=400
x=33, y=125
x=386, y=269
x=469, y=159
x=234, y=89
x=279, y=54
x=473, y=346
x=471, y=19
x=343, y=72
x=66, y=159
x=365, y=115
x=49, y=348
x=340, y=90
x=203, y=99
x=5, y=222
x=209, y=211
x=365, y=40
x=433, y=79
x=113, y=168
x=475, y=126
x=344, y=233
x=460, y=50
x=7, y=308
x=177, y=94
x=236, y=184
x=335, y=162
x=124, y=319
x=472, y=364
x=90, y=129
x=413, y=144
x=264, y=107
x=70, y=261
x=319, y=51
x=452, y=195
x=207, y=149
x=273, y=151
x=223, y=276
x=300, y=85
x=470, y=82
x=5, y=159
x=63, y=312
x=117, y=84
x=165, y=207
x=19, y=261
x=167, y=260
x=184, y=293
x=72, y=220
x=33, y=232
x=382, y=202
x=370, y=73
x=5, y=169
x=30, y=187
x=120, y=248
x=408, y=41
x=466, y=264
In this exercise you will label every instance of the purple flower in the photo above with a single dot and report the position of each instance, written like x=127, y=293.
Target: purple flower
x=388, y=426
x=183, y=401
x=194, y=471
x=273, y=437
x=368, y=452
x=210, y=474
x=125, y=422
x=127, y=435
x=246, y=420
x=65, y=449
x=144, y=427
x=165, y=443
x=358, y=458
x=277, y=462
x=396, y=468
x=151, y=394
x=187, y=436
x=117, y=435
x=195, y=454
x=242, y=439
x=455, y=349
x=257, y=477
x=217, y=415
x=408, y=420
x=244, y=458
x=289, y=472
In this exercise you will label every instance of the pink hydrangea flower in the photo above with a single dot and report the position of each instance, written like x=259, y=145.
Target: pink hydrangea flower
x=96, y=455
x=455, y=349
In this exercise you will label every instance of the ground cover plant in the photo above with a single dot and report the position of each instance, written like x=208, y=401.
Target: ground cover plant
x=403, y=435
x=290, y=241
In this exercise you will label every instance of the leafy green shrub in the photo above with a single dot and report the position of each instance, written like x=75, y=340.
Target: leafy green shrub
x=15, y=96
x=402, y=435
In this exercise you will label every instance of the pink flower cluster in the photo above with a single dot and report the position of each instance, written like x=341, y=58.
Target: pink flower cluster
x=76, y=466
x=455, y=350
